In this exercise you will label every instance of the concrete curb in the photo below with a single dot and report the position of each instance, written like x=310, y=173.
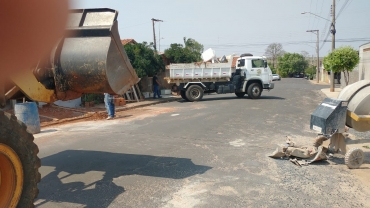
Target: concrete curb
x=88, y=114
x=91, y=113
x=320, y=83
x=147, y=104
x=326, y=91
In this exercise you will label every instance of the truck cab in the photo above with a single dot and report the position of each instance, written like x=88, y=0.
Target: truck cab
x=255, y=69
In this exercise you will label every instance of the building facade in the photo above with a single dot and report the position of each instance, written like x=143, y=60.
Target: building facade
x=364, y=65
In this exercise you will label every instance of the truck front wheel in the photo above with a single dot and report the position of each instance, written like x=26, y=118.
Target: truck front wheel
x=19, y=164
x=254, y=91
x=194, y=93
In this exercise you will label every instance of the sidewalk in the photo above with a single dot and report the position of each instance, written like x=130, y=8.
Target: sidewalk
x=326, y=91
x=146, y=102
x=329, y=94
x=57, y=114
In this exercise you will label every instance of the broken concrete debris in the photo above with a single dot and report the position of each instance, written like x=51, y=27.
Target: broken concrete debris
x=293, y=152
x=318, y=141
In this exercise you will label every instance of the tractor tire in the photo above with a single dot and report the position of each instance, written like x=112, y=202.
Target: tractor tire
x=19, y=164
x=183, y=95
x=254, y=91
x=240, y=94
x=354, y=158
x=194, y=93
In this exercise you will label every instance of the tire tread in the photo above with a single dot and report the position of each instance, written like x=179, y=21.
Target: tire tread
x=13, y=133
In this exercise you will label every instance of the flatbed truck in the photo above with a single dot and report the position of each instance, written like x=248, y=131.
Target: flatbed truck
x=250, y=77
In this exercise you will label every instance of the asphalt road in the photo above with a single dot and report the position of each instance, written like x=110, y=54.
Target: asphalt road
x=211, y=153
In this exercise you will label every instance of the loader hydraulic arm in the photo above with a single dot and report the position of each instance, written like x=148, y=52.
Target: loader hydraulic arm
x=89, y=58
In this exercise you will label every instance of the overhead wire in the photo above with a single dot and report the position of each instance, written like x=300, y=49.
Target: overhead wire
x=322, y=5
x=309, y=20
x=144, y=23
x=237, y=45
x=316, y=11
x=336, y=16
x=341, y=9
x=326, y=27
x=326, y=31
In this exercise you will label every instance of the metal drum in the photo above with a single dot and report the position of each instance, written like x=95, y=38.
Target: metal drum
x=29, y=115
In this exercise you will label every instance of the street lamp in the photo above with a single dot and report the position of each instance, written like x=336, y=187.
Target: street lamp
x=317, y=53
x=316, y=15
x=333, y=31
x=155, y=43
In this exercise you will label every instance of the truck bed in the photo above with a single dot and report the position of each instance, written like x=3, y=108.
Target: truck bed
x=204, y=72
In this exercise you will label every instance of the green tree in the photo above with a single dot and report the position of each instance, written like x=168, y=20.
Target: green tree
x=144, y=59
x=310, y=71
x=342, y=59
x=273, y=69
x=195, y=48
x=192, y=51
x=291, y=63
x=176, y=54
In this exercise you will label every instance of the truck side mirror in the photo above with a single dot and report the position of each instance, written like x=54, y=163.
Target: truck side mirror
x=265, y=64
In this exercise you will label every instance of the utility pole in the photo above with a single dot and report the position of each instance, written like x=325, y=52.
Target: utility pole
x=317, y=53
x=318, y=58
x=312, y=60
x=333, y=31
x=155, y=42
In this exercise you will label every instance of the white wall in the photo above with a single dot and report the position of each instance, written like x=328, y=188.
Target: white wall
x=364, y=65
x=76, y=103
x=353, y=77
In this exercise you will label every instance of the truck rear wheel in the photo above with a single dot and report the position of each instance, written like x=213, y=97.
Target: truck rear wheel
x=19, y=164
x=183, y=95
x=194, y=93
x=254, y=91
x=240, y=94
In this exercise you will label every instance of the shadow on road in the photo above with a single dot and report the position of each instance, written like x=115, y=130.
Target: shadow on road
x=204, y=99
x=48, y=131
x=101, y=193
x=271, y=98
x=340, y=161
x=357, y=141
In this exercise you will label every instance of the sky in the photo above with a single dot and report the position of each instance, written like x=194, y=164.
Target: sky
x=241, y=26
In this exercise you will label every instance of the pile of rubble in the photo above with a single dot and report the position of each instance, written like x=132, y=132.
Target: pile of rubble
x=302, y=155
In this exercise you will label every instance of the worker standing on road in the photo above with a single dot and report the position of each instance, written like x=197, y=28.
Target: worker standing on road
x=156, y=86
x=109, y=105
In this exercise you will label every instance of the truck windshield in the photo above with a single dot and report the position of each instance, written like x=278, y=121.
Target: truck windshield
x=241, y=62
x=258, y=63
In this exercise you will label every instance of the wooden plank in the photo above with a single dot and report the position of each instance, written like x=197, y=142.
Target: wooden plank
x=133, y=89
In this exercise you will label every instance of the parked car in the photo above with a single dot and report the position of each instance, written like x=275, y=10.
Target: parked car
x=276, y=77
x=298, y=76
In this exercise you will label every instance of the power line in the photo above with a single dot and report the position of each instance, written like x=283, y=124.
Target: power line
x=309, y=20
x=135, y=25
x=341, y=9
x=326, y=26
x=327, y=35
x=351, y=40
x=229, y=45
x=322, y=6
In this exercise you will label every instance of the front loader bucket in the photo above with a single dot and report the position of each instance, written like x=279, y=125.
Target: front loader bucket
x=91, y=57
